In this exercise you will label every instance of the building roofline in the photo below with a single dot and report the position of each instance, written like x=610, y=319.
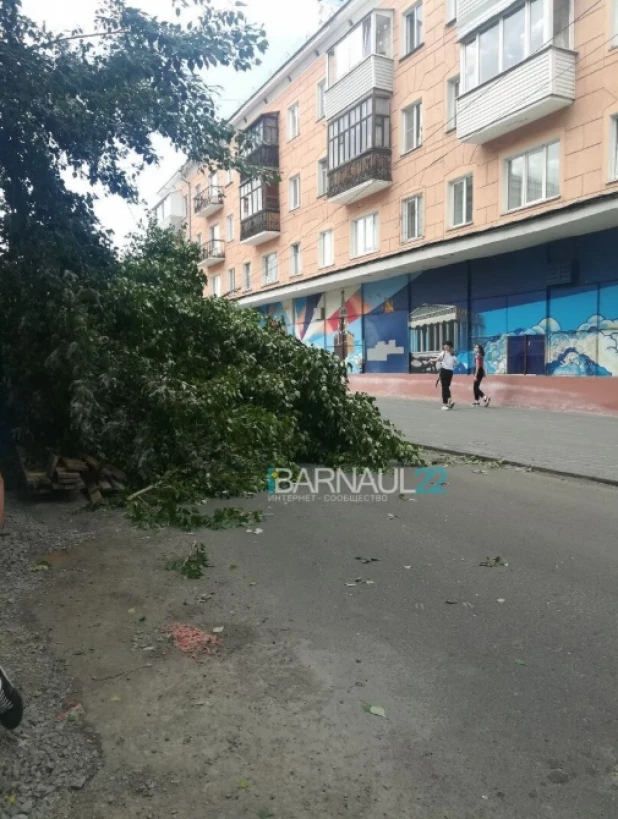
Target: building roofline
x=324, y=37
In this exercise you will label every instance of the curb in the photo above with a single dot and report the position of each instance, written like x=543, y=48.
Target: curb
x=545, y=470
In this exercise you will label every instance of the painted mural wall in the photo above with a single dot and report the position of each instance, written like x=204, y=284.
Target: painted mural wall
x=549, y=310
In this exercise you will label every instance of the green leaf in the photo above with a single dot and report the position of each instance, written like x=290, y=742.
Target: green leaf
x=519, y=662
x=244, y=783
x=375, y=710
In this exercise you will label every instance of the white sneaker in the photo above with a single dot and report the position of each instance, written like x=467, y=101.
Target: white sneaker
x=451, y=404
x=487, y=401
x=476, y=403
x=445, y=407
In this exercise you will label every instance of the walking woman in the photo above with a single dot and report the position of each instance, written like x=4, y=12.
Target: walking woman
x=447, y=362
x=479, y=375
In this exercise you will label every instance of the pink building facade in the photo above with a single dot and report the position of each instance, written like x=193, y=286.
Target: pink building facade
x=447, y=171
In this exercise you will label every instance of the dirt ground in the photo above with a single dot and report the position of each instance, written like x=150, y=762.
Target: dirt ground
x=252, y=731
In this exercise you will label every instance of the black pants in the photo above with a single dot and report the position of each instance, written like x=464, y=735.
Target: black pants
x=446, y=376
x=478, y=392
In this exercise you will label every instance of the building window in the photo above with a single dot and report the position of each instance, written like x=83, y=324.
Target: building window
x=185, y=205
x=411, y=218
x=613, y=167
x=269, y=268
x=326, y=254
x=213, y=180
x=229, y=227
x=251, y=198
x=413, y=28
x=197, y=204
x=373, y=35
x=513, y=37
x=228, y=177
x=198, y=240
x=293, y=121
x=411, y=127
x=451, y=10
x=319, y=99
x=460, y=201
x=231, y=280
x=294, y=195
x=322, y=177
x=452, y=92
x=365, y=235
x=214, y=233
x=533, y=176
x=246, y=275
x=366, y=126
x=216, y=285
x=295, y=259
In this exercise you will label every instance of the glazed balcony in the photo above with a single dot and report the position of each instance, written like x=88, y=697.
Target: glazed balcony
x=540, y=85
x=375, y=73
x=361, y=177
x=261, y=227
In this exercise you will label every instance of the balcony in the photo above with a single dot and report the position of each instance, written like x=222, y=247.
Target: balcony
x=374, y=73
x=171, y=212
x=208, y=202
x=212, y=253
x=538, y=86
x=263, y=156
x=361, y=177
x=261, y=227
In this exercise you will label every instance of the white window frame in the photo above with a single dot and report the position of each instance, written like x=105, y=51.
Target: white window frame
x=613, y=141
x=418, y=218
x=548, y=38
x=412, y=11
x=416, y=110
x=369, y=229
x=294, y=121
x=452, y=93
x=216, y=285
x=322, y=185
x=246, y=276
x=323, y=259
x=451, y=11
x=270, y=268
x=294, y=192
x=320, y=110
x=469, y=180
x=198, y=239
x=296, y=259
x=366, y=34
x=231, y=280
x=229, y=227
x=524, y=155
x=228, y=177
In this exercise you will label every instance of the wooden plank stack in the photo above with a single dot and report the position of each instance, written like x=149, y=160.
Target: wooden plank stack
x=62, y=474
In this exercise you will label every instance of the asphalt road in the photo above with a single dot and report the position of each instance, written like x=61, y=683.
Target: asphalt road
x=576, y=443
x=499, y=684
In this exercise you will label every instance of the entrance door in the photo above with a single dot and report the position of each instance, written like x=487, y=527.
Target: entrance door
x=525, y=355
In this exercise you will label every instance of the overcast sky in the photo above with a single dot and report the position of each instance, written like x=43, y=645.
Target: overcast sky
x=285, y=33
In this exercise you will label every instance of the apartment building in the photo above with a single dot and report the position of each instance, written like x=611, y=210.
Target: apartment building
x=447, y=169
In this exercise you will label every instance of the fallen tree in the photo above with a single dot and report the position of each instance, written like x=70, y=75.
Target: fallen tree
x=192, y=397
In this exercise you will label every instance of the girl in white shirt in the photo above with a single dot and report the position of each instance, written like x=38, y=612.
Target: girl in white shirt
x=448, y=363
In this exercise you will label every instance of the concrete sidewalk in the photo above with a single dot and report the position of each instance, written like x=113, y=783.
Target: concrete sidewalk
x=579, y=444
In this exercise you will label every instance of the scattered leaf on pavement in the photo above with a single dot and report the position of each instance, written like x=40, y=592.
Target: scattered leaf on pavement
x=501, y=600
x=519, y=662
x=142, y=620
x=376, y=710
x=369, y=582
x=130, y=611
x=233, y=565
x=451, y=602
x=244, y=783
x=407, y=567
x=258, y=531
x=217, y=629
x=493, y=561
x=368, y=559
x=253, y=583
x=41, y=566
x=264, y=813
x=115, y=699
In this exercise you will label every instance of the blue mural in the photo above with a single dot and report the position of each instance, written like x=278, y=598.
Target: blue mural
x=526, y=324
